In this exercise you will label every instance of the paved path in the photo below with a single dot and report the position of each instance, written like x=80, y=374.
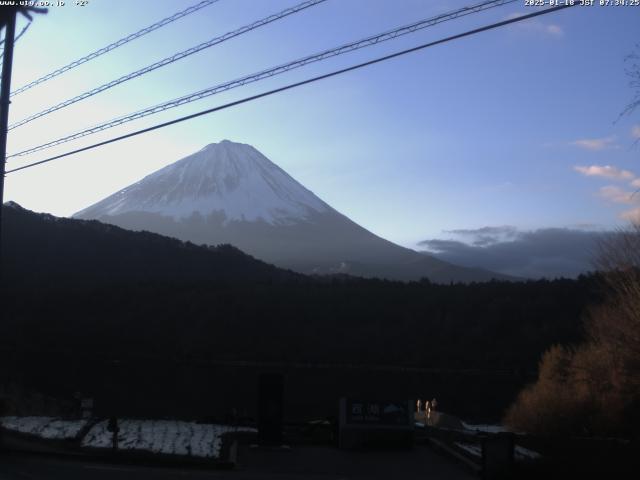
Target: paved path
x=321, y=463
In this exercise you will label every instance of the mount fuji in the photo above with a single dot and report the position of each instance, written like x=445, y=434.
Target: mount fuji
x=230, y=193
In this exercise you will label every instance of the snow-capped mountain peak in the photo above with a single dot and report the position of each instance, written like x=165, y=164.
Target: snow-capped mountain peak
x=230, y=178
x=230, y=193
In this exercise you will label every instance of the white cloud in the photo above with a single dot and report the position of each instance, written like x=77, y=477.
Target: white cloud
x=635, y=132
x=616, y=194
x=606, y=171
x=555, y=30
x=595, y=144
x=536, y=26
x=632, y=215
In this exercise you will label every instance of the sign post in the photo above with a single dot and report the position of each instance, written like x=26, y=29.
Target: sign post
x=376, y=423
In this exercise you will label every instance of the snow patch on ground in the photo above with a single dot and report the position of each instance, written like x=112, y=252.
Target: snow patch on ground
x=50, y=428
x=163, y=436
x=472, y=448
x=522, y=453
x=486, y=428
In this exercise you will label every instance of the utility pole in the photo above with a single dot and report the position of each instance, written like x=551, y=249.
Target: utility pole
x=5, y=93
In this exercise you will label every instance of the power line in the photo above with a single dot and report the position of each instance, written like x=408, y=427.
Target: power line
x=114, y=45
x=316, y=57
x=22, y=32
x=173, y=58
x=297, y=84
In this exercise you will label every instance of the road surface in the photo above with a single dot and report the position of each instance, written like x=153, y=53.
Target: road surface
x=315, y=463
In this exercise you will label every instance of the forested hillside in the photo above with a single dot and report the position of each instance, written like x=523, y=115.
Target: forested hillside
x=81, y=297
x=93, y=287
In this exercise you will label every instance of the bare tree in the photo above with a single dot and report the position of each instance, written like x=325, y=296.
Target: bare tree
x=594, y=388
x=633, y=72
x=616, y=324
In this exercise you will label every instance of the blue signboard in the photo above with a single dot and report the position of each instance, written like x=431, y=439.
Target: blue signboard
x=377, y=412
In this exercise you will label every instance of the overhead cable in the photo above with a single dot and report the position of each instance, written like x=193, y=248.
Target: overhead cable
x=171, y=59
x=116, y=44
x=254, y=77
x=297, y=84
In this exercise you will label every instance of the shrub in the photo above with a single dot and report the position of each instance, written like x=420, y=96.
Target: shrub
x=594, y=388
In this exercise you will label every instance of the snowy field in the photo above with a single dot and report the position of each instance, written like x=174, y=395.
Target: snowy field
x=520, y=453
x=163, y=436
x=50, y=428
x=486, y=428
x=472, y=448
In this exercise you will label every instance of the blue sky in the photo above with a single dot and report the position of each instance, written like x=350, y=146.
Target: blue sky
x=510, y=127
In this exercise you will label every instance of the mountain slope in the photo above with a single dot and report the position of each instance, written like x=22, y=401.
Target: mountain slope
x=53, y=252
x=230, y=193
x=227, y=177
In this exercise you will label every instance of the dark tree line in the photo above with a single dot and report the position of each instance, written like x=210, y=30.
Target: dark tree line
x=91, y=293
x=91, y=287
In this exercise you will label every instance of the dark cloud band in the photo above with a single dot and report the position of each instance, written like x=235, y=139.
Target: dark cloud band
x=549, y=252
